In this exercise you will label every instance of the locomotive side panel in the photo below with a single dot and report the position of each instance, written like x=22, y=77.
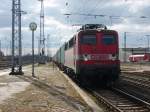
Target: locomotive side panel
x=69, y=54
x=62, y=53
x=59, y=56
x=69, y=58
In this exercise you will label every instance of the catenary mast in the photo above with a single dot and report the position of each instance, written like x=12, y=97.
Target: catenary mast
x=42, y=35
x=16, y=38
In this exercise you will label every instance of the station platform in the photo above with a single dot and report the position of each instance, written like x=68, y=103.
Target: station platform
x=50, y=91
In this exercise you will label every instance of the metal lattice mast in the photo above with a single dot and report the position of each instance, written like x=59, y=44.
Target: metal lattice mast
x=16, y=38
x=42, y=35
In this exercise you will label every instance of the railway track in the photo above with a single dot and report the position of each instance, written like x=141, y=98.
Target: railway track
x=145, y=74
x=137, y=80
x=118, y=101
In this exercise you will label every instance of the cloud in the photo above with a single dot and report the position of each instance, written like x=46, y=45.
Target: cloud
x=52, y=3
x=60, y=26
x=50, y=21
x=136, y=5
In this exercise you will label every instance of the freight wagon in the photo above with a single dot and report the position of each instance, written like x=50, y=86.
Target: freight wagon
x=139, y=58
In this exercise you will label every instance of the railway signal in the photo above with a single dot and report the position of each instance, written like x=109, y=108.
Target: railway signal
x=33, y=27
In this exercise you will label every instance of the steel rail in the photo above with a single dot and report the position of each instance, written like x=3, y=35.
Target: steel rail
x=140, y=82
x=119, y=101
x=145, y=74
x=106, y=102
x=133, y=97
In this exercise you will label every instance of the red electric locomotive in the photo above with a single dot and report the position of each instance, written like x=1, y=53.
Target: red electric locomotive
x=92, y=53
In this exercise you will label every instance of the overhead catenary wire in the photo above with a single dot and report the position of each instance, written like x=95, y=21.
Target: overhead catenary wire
x=87, y=13
x=111, y=17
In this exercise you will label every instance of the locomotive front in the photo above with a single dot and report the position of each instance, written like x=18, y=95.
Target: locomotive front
x=97, y=54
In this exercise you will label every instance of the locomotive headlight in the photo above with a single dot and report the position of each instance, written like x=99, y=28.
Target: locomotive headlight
x=84, y=57
x=114, y=57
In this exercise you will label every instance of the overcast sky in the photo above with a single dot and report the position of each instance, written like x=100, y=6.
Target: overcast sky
x=120, y=15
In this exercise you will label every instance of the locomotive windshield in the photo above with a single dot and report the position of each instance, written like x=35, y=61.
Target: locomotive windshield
x=109, y=39
x=88, y=39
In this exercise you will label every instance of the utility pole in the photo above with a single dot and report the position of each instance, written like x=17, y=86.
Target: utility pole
x=0, y=46
x=148, y=47
x=16, y=38
x=48, y=53
x=38, y=46
x=42, y=35
x=10, y=47
x=125, y=46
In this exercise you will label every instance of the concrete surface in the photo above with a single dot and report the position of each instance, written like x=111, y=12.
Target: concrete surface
x=48, y=92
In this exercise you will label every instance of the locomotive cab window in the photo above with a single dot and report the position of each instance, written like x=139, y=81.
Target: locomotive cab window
x=88, y=39
x=71, y=42
x=66, y=46
x=108, y=39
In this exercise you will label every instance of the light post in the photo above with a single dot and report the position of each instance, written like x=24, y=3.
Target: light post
x=0, y=46
x=33, y=27
x=125, y=46
x=148, y=42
